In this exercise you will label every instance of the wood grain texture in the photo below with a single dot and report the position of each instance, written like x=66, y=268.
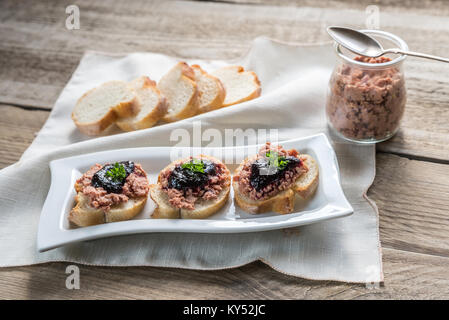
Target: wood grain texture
x=408, y=276
x=432, y=6
x=412, y=197
x=38, y=55
x=18, y=128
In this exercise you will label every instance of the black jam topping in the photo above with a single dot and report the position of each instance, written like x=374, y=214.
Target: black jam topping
x=262, y=174
x=182, y=178
x=108, y=183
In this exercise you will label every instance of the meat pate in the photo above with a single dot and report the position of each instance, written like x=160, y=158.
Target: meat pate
x=185, y=185
x=134, y=185
x=270, y=172
x=365, y=103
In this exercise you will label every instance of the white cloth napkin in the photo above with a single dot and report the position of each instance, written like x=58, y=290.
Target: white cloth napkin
x=294, y=83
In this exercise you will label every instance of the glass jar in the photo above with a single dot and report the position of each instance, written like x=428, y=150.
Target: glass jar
x=366, y=96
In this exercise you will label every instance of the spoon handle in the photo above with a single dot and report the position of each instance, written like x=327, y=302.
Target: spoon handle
x=415, y=54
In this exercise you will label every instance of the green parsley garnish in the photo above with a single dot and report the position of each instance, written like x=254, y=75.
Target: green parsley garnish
x=117, y=173
x=275, y=160
x=194, y=165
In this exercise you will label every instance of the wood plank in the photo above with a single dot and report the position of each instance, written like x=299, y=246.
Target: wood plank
x=412, y=197
x=432, y=6
x=425, y=127
x=34, y=78
x=18, y=128
x=36, y=30
x=408, y=276
x=38, y=55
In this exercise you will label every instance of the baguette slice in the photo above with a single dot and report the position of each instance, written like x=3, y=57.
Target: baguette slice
x=203, y=208
x=84, y=215
x=212, y=92
x=307, y=183
x=153, y=106
x=283, y=202
x=179, y=88
x=240, y=85
x=164, y=209
x=98, y=108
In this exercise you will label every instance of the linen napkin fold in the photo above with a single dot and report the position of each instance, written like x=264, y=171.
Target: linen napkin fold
x=294, y=82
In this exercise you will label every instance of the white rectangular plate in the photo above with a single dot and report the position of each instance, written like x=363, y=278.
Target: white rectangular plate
x=54, y=229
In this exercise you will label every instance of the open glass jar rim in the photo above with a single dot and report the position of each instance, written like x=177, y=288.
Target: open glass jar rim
x=377, y=34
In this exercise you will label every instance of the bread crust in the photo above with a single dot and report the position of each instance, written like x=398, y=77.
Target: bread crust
x=129, y=108
x=256, y=93
x=97, y=127
x=151, y=118
x=307, y=184
x=191, y=108
x=163, y=208
x=123, y=109
x=217, y=102
x=83, y=215
x=208, y=210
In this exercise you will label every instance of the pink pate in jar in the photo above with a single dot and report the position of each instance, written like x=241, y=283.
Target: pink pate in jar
x=366, y=99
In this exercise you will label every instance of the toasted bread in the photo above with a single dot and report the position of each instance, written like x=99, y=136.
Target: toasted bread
x=284, y=201
x=164, y=209
x=99, y=201
x=83, y=214
x=281, y=203
x=100, y=107
x=179, y=88
x=240, y=85
x=153, y=106
x=211, y=90
x=203, y=208
x=307, y=183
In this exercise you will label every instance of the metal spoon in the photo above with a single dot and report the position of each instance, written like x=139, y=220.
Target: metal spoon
x=365, y=45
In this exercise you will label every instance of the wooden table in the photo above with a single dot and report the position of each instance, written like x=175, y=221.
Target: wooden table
x=38, y=55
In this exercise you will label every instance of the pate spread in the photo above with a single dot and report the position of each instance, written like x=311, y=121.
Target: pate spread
x=273, y=170
x=193, y=180
x=366, y=103
x=103, y=193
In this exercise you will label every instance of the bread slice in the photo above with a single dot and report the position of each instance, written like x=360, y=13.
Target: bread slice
x=240, y=85
x=179, y=88
x=83, y=214
x=307, y=183
x=164, y=209
x=283, y=202
x=153, y=106
x=203, y=208
x=211, y=90
x=98, y=108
